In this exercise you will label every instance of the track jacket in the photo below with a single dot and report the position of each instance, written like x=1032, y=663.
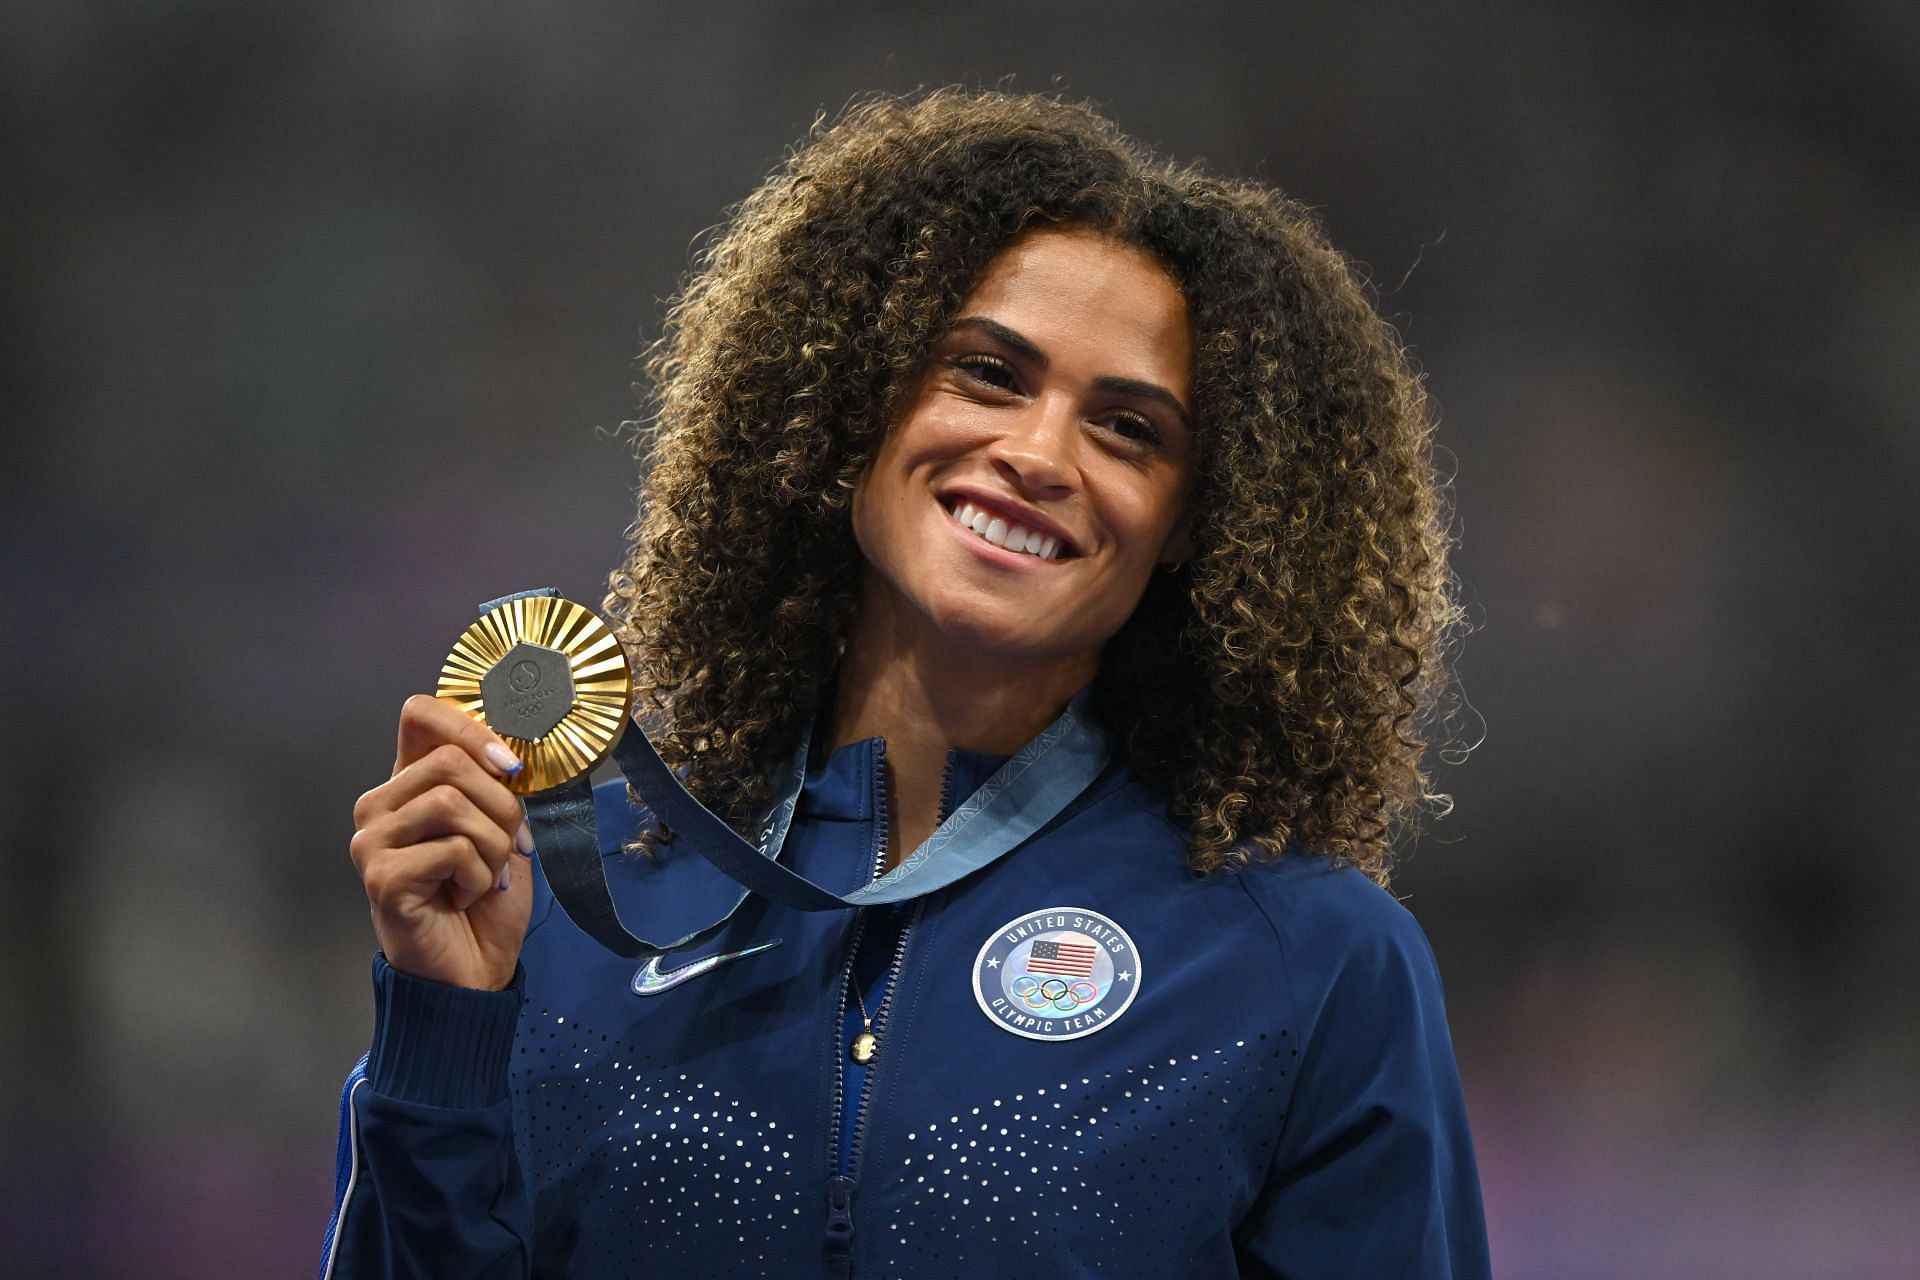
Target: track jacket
x=1090, y=1063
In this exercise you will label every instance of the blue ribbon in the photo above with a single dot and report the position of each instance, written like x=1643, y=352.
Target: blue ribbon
x=1025, y=794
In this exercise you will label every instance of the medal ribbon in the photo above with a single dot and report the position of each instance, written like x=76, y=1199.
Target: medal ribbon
x=1025, y=794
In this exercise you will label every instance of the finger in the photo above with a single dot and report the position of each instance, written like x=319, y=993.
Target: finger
x=402, y=856
x=444, y=811
x=472, y=879
x=426, y=722
x=446, y=764
x=449, y=765
x=447, y=867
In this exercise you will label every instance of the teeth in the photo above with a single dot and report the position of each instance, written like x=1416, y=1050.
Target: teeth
x=1013, y=537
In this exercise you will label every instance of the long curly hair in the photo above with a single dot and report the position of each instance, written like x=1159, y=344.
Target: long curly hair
x=1279, y=688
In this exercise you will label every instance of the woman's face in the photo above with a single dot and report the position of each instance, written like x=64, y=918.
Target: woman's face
x=1054, y=419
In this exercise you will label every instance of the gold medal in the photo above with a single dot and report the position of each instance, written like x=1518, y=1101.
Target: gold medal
x=549, y=677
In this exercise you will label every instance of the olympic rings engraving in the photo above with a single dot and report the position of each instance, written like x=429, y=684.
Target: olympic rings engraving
x=1055, y=993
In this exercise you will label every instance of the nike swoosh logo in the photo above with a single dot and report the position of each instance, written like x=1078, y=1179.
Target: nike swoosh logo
x=650, y=981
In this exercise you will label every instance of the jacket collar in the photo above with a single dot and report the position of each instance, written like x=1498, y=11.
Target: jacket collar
x=848, y=785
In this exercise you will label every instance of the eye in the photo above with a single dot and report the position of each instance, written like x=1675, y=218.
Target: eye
x=988, y=370
x=1135, y=427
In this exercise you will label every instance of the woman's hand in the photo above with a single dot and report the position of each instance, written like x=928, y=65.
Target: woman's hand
x=435, y=847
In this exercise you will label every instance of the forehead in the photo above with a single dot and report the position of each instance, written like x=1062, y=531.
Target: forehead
x=1088, y=299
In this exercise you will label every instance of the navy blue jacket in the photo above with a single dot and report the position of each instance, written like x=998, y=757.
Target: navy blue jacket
x=1276, y=1094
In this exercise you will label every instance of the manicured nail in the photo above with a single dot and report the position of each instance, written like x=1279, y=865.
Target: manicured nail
x=502, y=759
x=506, y=877
x=523, y=840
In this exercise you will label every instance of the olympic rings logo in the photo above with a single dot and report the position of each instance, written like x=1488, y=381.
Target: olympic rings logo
x=1054, y=993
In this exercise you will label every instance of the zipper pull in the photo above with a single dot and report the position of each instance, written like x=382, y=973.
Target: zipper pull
x=840, y=1225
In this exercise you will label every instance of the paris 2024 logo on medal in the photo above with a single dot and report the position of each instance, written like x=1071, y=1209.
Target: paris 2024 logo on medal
x=1056, y=974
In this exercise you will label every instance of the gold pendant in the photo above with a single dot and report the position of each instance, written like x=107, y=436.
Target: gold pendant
x=548, y=676
x=865, y=1045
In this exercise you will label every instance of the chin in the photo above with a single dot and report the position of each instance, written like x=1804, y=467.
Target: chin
x=1002, y=631
x=993, y=636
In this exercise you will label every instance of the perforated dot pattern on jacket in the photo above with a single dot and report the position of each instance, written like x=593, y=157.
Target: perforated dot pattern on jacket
x=1137, y=1167
x=637, y=1162
x=663, y=1165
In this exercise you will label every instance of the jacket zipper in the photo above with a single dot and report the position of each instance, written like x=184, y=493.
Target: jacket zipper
x=879, y=1024
x=841, y=1185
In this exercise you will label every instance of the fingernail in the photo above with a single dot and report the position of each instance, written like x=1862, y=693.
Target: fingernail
x=502, y=759
x=523, y=840
x=506, y=877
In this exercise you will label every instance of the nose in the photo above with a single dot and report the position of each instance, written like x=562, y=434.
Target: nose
x=1037, y=450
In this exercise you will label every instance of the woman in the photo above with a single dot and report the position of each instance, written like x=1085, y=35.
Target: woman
x=978, y=428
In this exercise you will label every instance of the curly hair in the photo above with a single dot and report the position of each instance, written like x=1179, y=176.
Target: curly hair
x=1278, y=688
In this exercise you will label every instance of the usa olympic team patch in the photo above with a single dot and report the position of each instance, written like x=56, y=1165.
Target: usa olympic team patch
x=1056, y=974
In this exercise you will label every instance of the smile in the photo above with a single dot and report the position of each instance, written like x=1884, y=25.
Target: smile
x=998, y=530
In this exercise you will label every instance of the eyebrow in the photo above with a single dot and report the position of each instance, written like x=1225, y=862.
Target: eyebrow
x=1024, y=347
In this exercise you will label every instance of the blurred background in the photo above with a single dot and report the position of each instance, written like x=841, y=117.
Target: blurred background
x=317, y=328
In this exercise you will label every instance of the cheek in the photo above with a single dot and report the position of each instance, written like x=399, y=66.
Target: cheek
x=1147, y=523
x=873, y=498
x=901, y=471
x=881, y=502
x=944, y=423
x=862, y=489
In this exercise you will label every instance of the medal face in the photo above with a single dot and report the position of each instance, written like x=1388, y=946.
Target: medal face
x=864, y=1046
x=545, y=674
x=528, y=692
x=1056, y=974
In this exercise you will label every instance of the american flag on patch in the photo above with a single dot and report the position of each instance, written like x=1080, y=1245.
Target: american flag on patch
x=1071, y=959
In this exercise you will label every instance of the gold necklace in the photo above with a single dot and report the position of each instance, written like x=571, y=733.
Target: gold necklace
x=866, y=1044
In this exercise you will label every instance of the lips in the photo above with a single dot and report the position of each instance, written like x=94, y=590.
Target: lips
x=993, y=528
x=1008, y=526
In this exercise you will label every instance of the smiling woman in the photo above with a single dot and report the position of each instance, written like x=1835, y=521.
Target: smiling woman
x=1313, y=614
x=1052, y=409
x=1080, y=508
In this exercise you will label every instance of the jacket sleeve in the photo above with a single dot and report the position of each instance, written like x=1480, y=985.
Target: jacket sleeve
x=1373, y=1174
x=427, y=1178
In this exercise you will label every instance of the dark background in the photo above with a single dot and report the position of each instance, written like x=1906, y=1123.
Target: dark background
x=317, y=326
